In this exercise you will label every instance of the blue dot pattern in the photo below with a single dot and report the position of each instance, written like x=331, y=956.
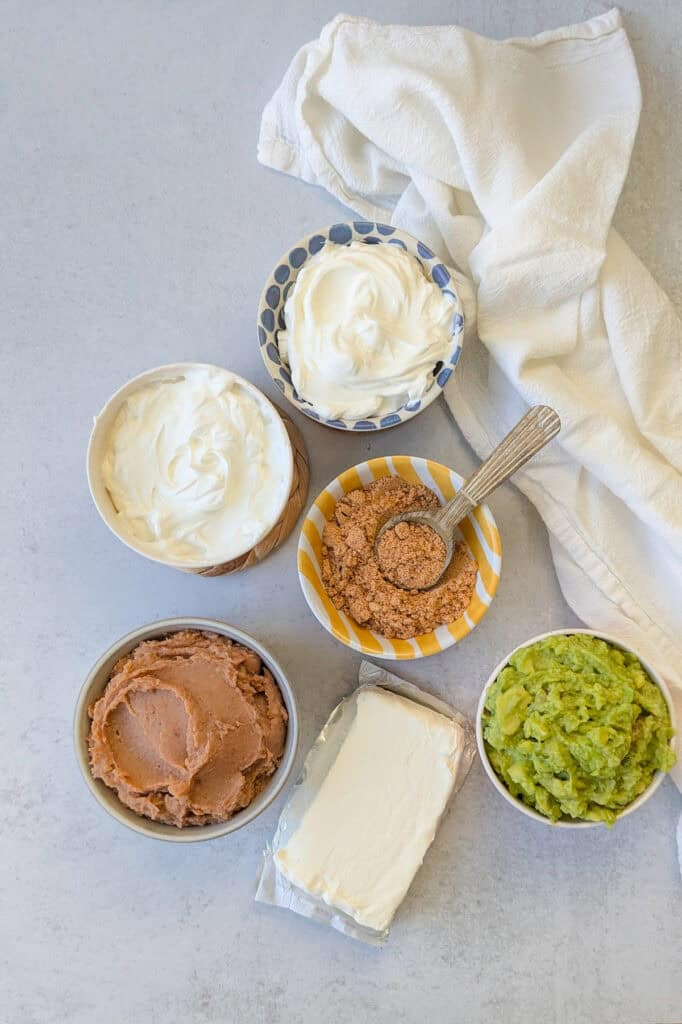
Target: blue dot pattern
x=440, y=275
x=273, y=352
x=340, y=233
x=282, y=280
x=390, y=420
x=297, y=258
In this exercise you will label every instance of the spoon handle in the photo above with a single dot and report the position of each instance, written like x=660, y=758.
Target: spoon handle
x=531, y=433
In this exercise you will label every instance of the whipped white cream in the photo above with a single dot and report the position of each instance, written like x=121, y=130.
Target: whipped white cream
x=197, y=466
x=364, y=330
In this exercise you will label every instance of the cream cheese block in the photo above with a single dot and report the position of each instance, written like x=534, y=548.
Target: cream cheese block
x=363, y=837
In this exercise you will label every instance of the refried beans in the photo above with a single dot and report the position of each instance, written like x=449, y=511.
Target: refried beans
x=189, y=728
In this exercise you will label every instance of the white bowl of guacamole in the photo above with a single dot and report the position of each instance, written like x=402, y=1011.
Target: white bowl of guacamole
x=575, y=729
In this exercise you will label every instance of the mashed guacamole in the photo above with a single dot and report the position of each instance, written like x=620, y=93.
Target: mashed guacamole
x=576, y=728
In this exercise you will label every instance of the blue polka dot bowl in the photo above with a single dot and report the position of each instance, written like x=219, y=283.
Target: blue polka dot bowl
x=282, y=280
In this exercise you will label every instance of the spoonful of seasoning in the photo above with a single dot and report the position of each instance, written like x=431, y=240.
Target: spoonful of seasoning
x=414, y=549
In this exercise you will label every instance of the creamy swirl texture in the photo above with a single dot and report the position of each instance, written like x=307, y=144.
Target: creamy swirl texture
x=364, y=330
x=197, y=467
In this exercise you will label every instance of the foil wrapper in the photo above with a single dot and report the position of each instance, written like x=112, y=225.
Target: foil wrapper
x=271, y=886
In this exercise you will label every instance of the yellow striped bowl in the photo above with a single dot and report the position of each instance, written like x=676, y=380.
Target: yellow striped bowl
x=479, y=530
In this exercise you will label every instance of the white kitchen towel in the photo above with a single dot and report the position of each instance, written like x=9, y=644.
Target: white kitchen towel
x=510, y=157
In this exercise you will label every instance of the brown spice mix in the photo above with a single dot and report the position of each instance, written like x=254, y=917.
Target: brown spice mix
x=352, y=576
x=411, y=555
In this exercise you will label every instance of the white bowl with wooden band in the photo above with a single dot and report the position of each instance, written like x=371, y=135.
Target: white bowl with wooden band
x=220, y=561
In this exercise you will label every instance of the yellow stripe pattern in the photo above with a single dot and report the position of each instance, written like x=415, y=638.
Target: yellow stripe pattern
x=478, y=530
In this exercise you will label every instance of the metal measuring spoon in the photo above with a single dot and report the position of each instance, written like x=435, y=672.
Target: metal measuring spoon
x=531, y=433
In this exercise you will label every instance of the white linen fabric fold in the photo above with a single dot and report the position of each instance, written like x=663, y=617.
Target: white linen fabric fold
x=508, y=158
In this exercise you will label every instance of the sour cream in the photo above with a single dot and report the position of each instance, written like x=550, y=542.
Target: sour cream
x=197, y=466
x=364, y=330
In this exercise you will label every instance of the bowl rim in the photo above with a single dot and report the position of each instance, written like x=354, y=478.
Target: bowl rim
x=93, y=471
x=499, y=785
x=387, y=231
x=94, y=685
x=354, y=644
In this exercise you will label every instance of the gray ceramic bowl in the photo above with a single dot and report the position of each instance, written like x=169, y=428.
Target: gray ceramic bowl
x=498, y=782
x=94, y=686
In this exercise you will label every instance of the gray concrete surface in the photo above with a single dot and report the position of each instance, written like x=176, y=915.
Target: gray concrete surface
x=137, y=229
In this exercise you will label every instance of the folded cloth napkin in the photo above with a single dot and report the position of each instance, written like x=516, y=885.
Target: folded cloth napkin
x=510, y=156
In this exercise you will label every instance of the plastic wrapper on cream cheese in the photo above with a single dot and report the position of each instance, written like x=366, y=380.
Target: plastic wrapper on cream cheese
x=272, y=886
